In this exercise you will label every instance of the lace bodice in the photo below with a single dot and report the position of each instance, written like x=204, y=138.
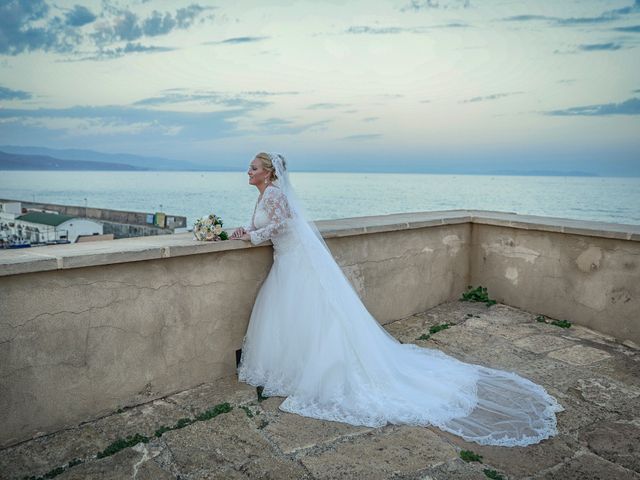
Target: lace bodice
x=270, y=217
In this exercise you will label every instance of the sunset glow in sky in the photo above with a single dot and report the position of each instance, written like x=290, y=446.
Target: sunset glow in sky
x=407, y=85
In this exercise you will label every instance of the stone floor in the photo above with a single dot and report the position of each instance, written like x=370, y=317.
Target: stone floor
x=594, y=378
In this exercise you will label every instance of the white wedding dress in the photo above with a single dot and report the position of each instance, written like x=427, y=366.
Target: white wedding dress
x=311, y=339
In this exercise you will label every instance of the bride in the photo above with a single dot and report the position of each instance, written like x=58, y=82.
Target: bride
x=311, y=339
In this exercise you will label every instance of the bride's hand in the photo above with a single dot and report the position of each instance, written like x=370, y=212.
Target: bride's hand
x=238, y=233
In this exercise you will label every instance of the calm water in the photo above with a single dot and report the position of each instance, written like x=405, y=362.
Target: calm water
x=333, y=195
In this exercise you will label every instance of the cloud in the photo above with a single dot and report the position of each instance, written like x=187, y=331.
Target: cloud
x=30, y=25
x=79, y=16
x=599, y=46
x=358, y=30
x=494, y=96
x=158, y=24
x=417, y=5
x=9, y=94
x=367, y=30
x=326, y=106
x=363, y=137
x=604, y=17
x=105, y=121
x=264, y=93
x=24, y=27
x=528, y=18
x=280, y=126
x=216, y=98
x=630, y=29
x=112, y=53
x=628, y=107
x=127, y=26
x=591, y=47
x=607, y=16
x=239, y=40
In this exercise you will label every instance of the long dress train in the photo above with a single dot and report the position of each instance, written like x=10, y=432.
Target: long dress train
x=311, y=339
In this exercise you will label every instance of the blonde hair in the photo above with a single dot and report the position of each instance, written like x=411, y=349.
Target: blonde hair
x=267, y=164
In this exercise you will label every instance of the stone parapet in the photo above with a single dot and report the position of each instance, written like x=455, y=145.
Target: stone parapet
x=88, y=328
x=13, y=262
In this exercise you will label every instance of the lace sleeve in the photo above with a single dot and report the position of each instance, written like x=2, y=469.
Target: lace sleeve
x=277, y=208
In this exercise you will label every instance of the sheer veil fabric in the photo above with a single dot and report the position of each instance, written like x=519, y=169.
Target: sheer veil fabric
x=311, y=339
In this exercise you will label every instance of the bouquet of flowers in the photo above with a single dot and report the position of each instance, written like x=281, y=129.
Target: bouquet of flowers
x=209, y=229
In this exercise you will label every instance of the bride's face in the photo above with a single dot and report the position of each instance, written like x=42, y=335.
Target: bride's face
x=257, y=173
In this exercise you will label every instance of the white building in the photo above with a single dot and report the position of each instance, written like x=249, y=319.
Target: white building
x=40, y=227
x=43, y=227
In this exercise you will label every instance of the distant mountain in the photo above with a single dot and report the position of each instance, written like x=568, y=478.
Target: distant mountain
x=14, y=161
x=144, y=163
x=543, y=173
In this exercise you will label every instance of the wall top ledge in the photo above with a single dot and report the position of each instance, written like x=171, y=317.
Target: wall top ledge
x=38, y=259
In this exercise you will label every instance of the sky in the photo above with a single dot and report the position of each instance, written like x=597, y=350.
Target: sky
x=406, y=85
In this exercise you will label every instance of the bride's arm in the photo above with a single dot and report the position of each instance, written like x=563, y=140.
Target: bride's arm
x=277, y=208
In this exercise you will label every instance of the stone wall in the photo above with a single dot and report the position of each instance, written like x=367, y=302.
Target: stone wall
x=589, y=280
x=89, y=328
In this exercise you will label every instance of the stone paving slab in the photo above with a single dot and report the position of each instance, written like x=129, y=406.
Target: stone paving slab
x=228, y=446
x=204, y=396
x=380, y=454
x=129, y=463
x=522, y=462
x=143, y=419
x=580, y=355
x=293, y=433
x=455, y=469
x=589, y=467
x=618, y=442
x=45, y=453
x=595, y=379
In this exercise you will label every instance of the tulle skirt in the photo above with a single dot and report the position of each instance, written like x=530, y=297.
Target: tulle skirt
x=311, y=339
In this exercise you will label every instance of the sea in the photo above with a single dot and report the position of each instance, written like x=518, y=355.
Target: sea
x=332, y=195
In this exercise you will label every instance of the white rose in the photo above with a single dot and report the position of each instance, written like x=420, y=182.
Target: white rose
x=218, y=229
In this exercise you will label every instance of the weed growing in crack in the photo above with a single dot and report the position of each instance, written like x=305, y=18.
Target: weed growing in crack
x=478, y=294
x=162, y=430
x=469, y=456
x=434, y=329
x=56, y=471
x=556, y=323
x=492, y=474
x=247, y=410
x=214, y=412
x=50, y=474
x=121, y=444
x=206, y=415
